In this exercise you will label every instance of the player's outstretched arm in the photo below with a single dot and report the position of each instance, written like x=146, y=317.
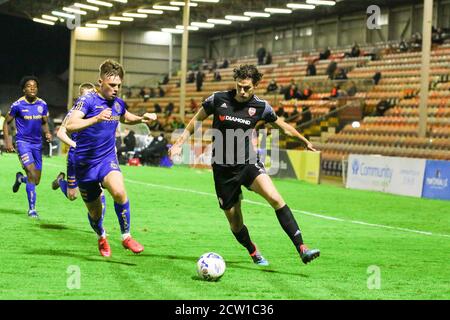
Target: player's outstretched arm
x=77, y=123
x=292, y=132
x=8, y=142
x=176, y=148
x=62, y=135
x=130, y=118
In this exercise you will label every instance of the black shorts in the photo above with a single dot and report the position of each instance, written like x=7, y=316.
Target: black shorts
x=228, y=182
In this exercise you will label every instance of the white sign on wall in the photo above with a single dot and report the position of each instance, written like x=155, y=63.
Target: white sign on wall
x=396, y=175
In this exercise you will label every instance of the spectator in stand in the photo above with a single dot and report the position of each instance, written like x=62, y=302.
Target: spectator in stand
x=325, y=54
x=403, y=46
x=437, y=36
x=157, y=108
x=213, y=66
x=305, y=94
x=152, y=93
x=351, y=89
x=331, y=69
x=260, y=54
x=381, y=108
x=204, y=64
x=292, y=93
x=340, y=74
x=130, y=143
x=311, y=68
x=356, y=52
x=268, y=58
x=217, y=76
x=165, y=80
x=335, y=91
x=190, y=77
x=374, y=54
x=169, y=109
x=142, y=93
x=272, y=87
x=199, y=80
x=416, y=41
x=161, y=92
x=225, y=64
x=376, y=77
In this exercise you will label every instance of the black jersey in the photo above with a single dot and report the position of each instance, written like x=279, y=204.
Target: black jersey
x=234, y=135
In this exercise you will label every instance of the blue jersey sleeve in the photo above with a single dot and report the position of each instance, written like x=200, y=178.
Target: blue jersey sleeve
x=124, y=107
x=14, y=109
x=82, y=104
x=45, y=112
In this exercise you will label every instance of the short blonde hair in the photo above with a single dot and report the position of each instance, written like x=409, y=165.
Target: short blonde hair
x=85, y=86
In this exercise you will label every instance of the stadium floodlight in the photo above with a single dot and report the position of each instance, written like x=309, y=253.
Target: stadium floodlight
x=63, y=14
x=116, y=23
x=100, y=3
x=47, y=17
x=254, y=14
x=181, y=4
x=278, y=10
x=209, y=1
x=219, y=21
x=169, y=8
x=296, y=6
x=202, y=24
x=86, y=6
x=190, y=28
x=38, y=20
x=96, y=25
x=321, y=2
x=74, y=10
x=150, y=11
x=237, y=18
x=121, y=18
x=172, y=30
x=135, y=15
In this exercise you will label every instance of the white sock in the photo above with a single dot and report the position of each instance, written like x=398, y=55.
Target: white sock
x=102, y=236
x=125, y=235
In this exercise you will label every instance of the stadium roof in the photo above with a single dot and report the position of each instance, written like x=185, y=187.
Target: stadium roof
x=201, y=13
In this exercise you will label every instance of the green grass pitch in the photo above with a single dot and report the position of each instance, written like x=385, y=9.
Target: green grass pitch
x=175, y=215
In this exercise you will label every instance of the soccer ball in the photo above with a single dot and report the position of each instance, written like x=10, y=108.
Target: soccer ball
x=210, y=266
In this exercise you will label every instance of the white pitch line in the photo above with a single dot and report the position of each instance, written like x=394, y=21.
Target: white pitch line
x=427, y=233
x=295, y=210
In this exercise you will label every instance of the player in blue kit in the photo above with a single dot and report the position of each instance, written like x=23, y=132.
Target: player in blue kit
x=95, y=117
x=69, y=187
x=31, y=116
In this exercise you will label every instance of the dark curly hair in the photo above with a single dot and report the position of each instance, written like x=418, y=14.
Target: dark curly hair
x=25, y=79
x=247, y=71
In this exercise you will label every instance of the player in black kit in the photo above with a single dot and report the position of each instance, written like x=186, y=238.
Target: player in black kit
x=235, y=161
